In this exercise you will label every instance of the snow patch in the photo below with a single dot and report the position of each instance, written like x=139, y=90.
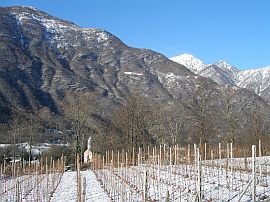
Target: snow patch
x=133, y=73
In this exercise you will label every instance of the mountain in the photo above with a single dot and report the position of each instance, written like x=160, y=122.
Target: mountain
x=45, y=59
x=256, y=80
x=47, y=62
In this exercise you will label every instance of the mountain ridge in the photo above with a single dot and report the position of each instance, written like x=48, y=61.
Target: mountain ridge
x=49, y=63
x=256, y=80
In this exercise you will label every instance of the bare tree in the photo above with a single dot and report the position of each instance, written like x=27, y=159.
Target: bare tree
x=172, y=123
x=258, y=116
x=133, y=119
x=229, y=112
x=78, y=111
x=201, y=113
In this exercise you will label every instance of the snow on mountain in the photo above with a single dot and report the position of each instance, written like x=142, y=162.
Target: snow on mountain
x=226, y=67
x=257, y=80
x=58, y=31
x=190, y=61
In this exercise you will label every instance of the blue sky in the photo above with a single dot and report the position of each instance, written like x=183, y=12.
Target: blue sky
x=237, y=31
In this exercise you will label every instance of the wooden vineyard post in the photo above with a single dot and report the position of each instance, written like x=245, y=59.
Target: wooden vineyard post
x=260, y=161
x=205, y=152
x=160, y=148
x=139, y=156
x=195, y=155
x=17, y=187
x=153, y=154
x=145, y=195
x=133, y=156
x=167, y=196
x=212, y=156
x=106, y=157
x=260, y=148
x=47, y=180
x=112, y=161
x=245, y=159
x=228, y=156
x=84, y=189
x=231, y=151
x=103, y=162
x=188, y=153
x=36, y=170
x=126, y=159
x=170, y=156
x=254, y=173
x=79, y=199
x=164, y=154
x=118, y=160
x=175, y=154
x=219, y=150
x=65, y=160
x=199, y=180
x=148, y=153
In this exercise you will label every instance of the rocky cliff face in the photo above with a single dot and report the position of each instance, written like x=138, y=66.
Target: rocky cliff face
x=44, y=58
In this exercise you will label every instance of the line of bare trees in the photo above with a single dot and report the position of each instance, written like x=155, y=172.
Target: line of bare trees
x=209, y=116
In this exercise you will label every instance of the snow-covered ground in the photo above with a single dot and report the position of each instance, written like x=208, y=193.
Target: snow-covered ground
x=221, y=180
x=67, y=189
x=224, y=181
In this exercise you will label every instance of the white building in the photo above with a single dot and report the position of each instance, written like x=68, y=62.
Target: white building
x=88, y=155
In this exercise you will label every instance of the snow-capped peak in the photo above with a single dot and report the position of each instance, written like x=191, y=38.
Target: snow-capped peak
x=226, y=66
x=190, y=62
x=222, y=63
x=256, y=80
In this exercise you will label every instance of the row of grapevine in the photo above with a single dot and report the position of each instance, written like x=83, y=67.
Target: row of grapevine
x=28, y=181
x=184, y=174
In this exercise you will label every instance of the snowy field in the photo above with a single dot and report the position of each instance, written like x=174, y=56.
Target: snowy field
x=67, y=189
x=221, y=180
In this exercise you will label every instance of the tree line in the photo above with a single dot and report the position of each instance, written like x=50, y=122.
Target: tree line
x=206, y=116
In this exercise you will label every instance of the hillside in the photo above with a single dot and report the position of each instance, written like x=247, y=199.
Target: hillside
x=48, y=62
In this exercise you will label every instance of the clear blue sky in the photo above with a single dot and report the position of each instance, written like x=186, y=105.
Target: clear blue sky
x=237, y=31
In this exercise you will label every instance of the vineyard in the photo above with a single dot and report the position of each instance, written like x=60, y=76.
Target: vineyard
x=35, y=181
x=192, y=173
x=185, y=174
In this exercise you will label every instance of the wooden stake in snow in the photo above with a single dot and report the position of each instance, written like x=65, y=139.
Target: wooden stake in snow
x=170, y=156
x=254, y=173
x=195, y=154
x=228, y=156
x=17, y=191
x=219, y=150
x=47, y=181
x=133, y=156
x=118, y=160
x=84, y=189
x=199, y=180
x=205, y=152
x=79, y=199
x=260, y=161
x=145, y=186
x=167, y=196
x=188, y=153
x=260, y=148
x=231, y=146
